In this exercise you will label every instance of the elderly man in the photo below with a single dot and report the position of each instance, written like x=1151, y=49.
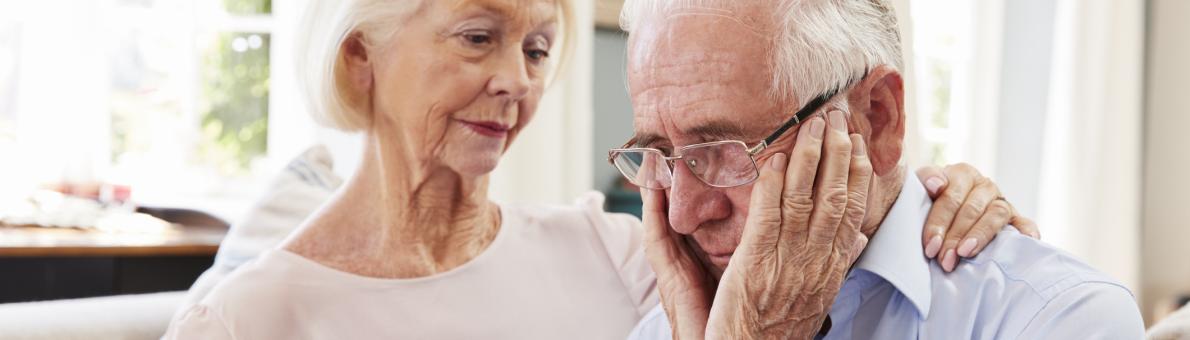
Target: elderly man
x=747, y=243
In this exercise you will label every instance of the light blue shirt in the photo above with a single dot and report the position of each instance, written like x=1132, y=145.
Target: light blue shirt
x=1017, y=288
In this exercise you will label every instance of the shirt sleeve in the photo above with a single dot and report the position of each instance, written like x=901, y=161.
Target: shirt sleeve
x=199, y=322
x=623, y=238
x=1091, y=310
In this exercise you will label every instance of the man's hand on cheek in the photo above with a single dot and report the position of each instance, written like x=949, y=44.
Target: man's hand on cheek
x=684, y=285
x=802, y=235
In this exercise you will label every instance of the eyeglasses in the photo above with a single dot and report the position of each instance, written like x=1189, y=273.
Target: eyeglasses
x=720, y=164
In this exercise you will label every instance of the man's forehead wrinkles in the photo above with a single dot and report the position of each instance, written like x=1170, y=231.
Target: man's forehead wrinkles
x=687, y=60
x=751, y=23
x=670, y=97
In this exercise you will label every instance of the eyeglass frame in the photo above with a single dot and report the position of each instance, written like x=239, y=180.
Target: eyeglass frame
x=798, y=117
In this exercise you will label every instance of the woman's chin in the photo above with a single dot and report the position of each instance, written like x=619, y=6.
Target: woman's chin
x=476, y=165
x=475, y=155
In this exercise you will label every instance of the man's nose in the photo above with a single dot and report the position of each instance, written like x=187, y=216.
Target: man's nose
x=693, y=203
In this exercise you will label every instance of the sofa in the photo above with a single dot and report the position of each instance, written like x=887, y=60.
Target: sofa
x=304, y=184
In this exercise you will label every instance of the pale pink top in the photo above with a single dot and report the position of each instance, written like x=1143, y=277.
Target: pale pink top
x=552, y=272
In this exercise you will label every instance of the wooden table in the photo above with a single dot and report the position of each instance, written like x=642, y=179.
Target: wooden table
x=51, y=263
x=48, y=242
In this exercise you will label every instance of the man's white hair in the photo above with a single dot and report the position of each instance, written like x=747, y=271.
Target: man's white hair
x=819, y=45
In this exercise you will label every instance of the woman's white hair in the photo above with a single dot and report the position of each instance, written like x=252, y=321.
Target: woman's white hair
x=819, y=45
x=326, y=25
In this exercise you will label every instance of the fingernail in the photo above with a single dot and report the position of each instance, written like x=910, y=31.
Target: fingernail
x=933, y=184
x=838, y=122
x=817, y=128
x=967, y=247
x=857, y=146
x=934, y=246
x=948, y=260
x=1035, y=235
x=778, y=161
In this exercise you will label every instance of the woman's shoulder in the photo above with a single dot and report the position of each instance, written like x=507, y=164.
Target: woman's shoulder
x=614, y=238
x=260, y=283
x=585, y=215
x=580, y=225
x=253, y=291
x=585, y=227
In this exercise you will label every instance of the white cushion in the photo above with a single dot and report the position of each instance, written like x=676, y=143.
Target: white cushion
x=1174, y=327
x=123, y=317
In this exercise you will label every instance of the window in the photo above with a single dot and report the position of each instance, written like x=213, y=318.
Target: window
x=956, y=58
x=226, y=69
x=170, y=97
x=9, y=44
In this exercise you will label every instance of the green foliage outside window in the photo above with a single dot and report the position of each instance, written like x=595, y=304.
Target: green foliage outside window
x=248, y=7
x=235, y=76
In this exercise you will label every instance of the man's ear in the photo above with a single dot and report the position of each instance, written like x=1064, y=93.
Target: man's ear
x=356, y=69
x=878, y=109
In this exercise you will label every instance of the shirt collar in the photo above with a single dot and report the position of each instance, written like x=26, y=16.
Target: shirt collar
x=894, y=253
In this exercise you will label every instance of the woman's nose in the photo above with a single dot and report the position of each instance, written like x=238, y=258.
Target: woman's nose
x=693, y=203
x=511, y=79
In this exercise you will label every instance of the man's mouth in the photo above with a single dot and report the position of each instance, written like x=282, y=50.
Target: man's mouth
x=720, y=259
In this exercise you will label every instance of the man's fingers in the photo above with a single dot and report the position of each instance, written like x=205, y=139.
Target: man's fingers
x=682, y=283
x=797, y=197
x=654, y=215
x=830, y=196
x=946, y=206
x=858, y=183
x=860, y=243
x=764, y=208
x=662, y=249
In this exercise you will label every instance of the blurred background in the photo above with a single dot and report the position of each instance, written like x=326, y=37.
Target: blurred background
x=1075, y=108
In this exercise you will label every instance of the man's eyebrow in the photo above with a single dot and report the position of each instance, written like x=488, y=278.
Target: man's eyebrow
x=645, y=139
x=717, y=130
x=707, y=132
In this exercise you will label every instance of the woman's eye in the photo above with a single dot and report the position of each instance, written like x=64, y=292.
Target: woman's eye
x=477, y=38
x=537, y=54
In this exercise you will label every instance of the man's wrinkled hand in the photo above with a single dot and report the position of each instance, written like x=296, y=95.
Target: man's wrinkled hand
x=685, y=286
x=802, y=236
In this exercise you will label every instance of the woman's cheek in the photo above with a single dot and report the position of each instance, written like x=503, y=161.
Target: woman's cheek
x=526, y=110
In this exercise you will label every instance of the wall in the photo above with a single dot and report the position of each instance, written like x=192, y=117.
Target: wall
x=612, y=108
x=1027, y=39
x=1165, y=270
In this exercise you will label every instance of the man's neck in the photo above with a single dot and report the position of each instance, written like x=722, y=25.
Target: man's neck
x=884, y=192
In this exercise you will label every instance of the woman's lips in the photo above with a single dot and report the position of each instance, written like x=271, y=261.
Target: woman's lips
x=487, y=128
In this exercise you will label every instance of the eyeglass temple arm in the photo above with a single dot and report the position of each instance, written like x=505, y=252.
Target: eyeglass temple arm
x=806, y=111
x=800, y=116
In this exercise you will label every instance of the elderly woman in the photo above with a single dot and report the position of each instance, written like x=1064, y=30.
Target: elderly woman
x=410, y=246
